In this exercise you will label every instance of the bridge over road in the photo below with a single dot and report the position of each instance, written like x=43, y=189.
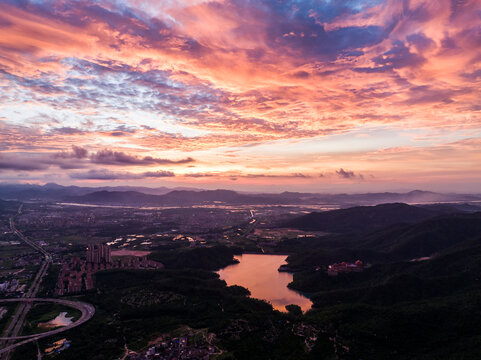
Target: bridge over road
x=87, y=311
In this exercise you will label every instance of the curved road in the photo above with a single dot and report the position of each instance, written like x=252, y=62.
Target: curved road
x=87, y=311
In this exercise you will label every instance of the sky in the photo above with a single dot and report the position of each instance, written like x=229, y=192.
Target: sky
x=267, y=95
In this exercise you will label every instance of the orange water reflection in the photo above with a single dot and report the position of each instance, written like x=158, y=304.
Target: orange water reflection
x=258, y=273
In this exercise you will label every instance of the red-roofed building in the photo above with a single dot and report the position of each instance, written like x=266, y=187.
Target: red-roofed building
x=344, y=267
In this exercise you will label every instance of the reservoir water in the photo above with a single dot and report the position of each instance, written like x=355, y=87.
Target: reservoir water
x=258, y=273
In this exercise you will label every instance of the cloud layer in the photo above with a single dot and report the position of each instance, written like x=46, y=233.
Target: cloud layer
x=164, y=86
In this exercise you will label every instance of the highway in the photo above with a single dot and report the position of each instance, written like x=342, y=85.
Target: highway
x=87, y=311
x=18, y=318
x=15, y=326
x=29, y=242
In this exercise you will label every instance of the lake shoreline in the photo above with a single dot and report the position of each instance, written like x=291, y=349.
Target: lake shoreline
x=259, y=273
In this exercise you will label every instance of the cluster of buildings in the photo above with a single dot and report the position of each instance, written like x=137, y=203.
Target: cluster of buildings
x=308, y=332
x=344, y=267
x=10, y=287
x=56, y=218
x=77, y=274
x=175, y=349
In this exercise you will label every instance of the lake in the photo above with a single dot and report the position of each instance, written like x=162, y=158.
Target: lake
x=258, y=273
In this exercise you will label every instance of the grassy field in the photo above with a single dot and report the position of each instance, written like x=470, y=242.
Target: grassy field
x=8, y=254
x=44, y=312
x=5, y=320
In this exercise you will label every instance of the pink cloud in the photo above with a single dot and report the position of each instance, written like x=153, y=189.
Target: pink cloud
x=209, y=75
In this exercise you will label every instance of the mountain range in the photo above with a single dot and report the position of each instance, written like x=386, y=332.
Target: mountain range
x=138, y=196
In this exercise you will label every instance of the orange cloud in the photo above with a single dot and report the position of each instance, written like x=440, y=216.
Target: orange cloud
x=206, y=76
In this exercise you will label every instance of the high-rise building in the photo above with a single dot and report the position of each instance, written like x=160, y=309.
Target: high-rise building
x=90, y=253
x=98, y=254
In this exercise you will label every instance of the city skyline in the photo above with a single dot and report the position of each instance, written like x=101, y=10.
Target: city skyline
x=249, y=95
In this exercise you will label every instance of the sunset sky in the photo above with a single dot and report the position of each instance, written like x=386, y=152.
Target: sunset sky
x=272, y=95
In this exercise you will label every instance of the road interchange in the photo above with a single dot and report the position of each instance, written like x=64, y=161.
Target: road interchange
x=28, y=298
x=87, y=311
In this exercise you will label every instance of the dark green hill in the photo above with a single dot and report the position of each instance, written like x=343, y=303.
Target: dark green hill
x=392, y=243
x=426, y=238
x=451, y=272
x=451, y=244
x=362, y=218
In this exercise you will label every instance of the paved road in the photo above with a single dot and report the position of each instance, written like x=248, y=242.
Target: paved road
x=18, y=318
x=87, y=311
x=28, y=298
x=29, y=242
x=25, y=307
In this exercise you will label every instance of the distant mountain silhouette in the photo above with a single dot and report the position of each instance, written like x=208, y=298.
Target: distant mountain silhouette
x=55, y=192
x=203, y=196
x=185, y=196
x=175, y=198
x=114, y=197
